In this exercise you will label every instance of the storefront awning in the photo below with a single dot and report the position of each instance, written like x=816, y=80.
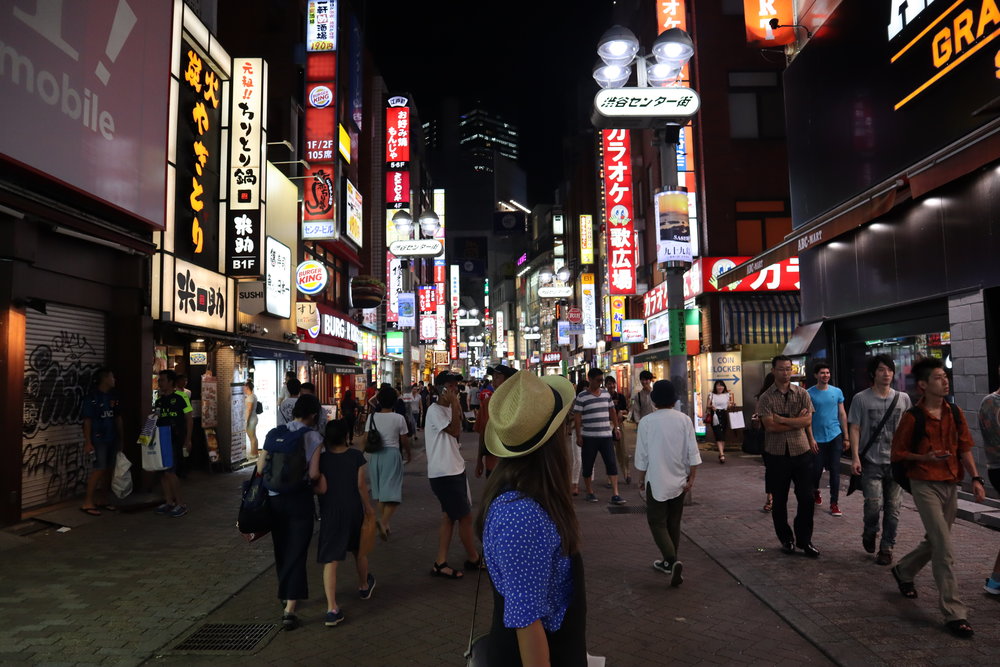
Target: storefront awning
x=755, y=319
x=802, y=338
x=267, y=352
x=653, y=354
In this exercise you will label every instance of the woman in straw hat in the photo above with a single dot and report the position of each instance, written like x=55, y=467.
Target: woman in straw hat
x=529, y=529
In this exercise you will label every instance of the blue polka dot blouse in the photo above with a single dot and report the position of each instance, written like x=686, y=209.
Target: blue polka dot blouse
x=525, y=561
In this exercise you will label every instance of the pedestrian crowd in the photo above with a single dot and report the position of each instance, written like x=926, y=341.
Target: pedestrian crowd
x=536, y=436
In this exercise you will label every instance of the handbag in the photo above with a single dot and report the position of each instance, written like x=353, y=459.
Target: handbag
x=476, y=655
x=373, y=442
x=753, y=441
x=855, y=482
x=736, y=419
x=254, y=518
x=259, y=410
x=121, y=483
x=158, y=454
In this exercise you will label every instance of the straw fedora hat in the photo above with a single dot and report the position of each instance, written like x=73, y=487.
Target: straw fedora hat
x=525, y=411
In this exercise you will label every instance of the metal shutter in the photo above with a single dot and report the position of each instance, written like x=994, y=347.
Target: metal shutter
x=63, y=350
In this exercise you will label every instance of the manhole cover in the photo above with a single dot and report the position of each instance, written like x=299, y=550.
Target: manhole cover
x=627, y=509
x=225, y=638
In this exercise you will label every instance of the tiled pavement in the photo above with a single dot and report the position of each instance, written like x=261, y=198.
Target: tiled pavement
x=124, y=589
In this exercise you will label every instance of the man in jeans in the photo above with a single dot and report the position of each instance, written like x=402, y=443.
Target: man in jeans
x=786, y=412
x=666, y=456
x=882, y=494
x=935, y=469
x=829, y=427
x=596, y=419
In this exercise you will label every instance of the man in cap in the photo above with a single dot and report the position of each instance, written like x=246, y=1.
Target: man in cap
x=666, y=456
x=446, y=472
x=485, y=462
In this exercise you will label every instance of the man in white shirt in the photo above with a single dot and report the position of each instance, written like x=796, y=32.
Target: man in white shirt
x=446, y=472
x=666, y=456
x=285, y=408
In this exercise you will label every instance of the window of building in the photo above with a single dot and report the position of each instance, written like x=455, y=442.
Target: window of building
x=756, y=106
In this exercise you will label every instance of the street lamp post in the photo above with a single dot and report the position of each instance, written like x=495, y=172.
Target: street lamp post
x=672, y=49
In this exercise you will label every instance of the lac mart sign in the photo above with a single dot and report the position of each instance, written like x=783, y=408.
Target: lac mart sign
x=703, y=276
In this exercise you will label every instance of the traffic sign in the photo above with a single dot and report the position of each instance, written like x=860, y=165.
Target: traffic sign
x=574, y=315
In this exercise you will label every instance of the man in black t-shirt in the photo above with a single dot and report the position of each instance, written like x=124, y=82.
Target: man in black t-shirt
x=621, y=451
x=173, y=410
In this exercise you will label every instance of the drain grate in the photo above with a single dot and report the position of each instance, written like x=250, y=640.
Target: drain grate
x=225, y=638
x=627, y=509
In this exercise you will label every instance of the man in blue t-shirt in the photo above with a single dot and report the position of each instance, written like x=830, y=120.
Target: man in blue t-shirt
x=102, y=439
x=829, y=425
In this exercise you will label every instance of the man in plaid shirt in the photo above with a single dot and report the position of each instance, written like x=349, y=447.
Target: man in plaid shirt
x=789, y=456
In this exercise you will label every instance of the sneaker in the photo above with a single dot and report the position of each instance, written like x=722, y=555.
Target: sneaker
x=178, y=511
x=289, y=621
x=992, y=586
x=617, y=500
x=661, y=566
x=334, y=618
x=165, y=508
x=366, y=593
x=868, y=542
x=675, y=574
x=835, y=510
x=818, y=497
x=591, y=498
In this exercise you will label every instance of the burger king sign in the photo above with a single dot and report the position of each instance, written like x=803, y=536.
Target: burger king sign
x=310, y=277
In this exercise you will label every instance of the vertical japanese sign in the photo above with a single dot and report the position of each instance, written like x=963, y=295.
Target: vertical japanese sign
x=454, y=286
x=617, y=316
x=319, y=195
x=196, y=209
x=589, y=306
x=247, y=137
x=353, y=223
x=278, y=279
x=586, y=239
x=618, y=211
x=428, y=299
x=397, y=184
x=394, y=275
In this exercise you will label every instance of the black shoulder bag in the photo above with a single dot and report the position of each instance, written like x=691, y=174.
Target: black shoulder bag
x=374, y=442
x=855, y=482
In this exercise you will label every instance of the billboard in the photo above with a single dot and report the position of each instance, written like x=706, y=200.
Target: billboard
x=71, y=75
x=353, y=223
x=247, y=179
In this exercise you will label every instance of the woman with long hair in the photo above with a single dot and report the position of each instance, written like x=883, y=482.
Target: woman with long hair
x=385, y=467
x=717, y=412
x=529, y=530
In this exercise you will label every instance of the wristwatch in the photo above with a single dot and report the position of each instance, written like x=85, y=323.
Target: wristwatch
x=979, y=479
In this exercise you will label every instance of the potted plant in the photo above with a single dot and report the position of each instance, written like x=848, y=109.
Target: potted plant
x=367, y=291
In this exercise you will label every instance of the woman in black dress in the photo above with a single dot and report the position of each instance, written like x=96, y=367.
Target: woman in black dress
x=343, y=500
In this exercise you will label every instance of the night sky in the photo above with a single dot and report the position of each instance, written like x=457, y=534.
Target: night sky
x=526, y=60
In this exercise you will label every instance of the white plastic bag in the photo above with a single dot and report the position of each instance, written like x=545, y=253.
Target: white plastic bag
x=121, y=483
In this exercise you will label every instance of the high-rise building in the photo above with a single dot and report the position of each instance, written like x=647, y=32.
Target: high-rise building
x=486, y=135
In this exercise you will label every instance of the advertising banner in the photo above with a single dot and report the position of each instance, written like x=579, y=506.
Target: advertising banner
x=586, y=239
x=562, y=332
x=397, y=133
x=758, y=15
x=617, y=316
x=201, y=297
x=703, y=276
x=673, y=242
x=278, y=279
x=633, y=331
x=353, y=224
x=618, y=212
x=394, y=272
x=321, y=25
x=407, y=310
x=70, y=77
x=589, y=307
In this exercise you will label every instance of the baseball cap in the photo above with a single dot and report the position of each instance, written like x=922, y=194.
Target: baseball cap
x=444, y=377
x=500, y=369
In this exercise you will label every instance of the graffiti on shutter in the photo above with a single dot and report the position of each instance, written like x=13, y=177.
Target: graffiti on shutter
x=63, y=351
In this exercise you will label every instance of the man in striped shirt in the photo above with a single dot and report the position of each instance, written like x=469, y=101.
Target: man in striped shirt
x=596, y=420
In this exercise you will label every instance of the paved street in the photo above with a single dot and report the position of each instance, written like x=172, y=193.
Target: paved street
x=125, y=589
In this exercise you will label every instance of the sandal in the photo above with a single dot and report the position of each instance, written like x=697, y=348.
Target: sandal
x=382, y=532
x=439, y=571
x=92, y=511
x=909, y=591
x=767, y=506
x=960, y=628
x=474, y=564
x=722, y=458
